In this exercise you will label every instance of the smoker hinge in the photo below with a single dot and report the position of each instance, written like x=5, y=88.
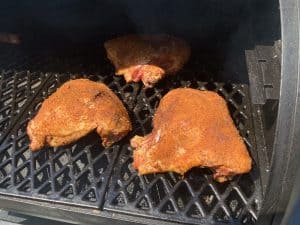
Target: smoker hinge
x=264, y=69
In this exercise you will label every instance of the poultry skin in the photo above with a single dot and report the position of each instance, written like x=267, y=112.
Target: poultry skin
x=75, y=109
x=147, y=57
x=192, y=128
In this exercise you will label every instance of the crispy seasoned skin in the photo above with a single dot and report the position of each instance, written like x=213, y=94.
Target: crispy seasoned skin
x=192, y=128
x=75, y=109
x=147, y=57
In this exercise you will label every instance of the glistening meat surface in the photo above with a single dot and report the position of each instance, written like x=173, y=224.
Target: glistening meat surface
x=147, y=57
x=75, y=109
x=192, y=128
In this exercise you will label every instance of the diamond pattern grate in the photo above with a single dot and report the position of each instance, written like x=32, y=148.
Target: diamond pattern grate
x=85, y=174
x=74, y=174
x=16, y=89
x=196, y=195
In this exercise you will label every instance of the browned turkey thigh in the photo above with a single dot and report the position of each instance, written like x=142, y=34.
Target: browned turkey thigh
x=74, y=110
x=147, y=57
x=192, y=128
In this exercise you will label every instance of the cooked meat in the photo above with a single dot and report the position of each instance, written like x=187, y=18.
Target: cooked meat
x=147, y=57
x=10, y=38
x=74, y=110
x=192, y=128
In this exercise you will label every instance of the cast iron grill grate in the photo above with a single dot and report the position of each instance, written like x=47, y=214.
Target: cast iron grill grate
x=74, y=174
x=85, y=174
x=196, y=195
x=17, y=88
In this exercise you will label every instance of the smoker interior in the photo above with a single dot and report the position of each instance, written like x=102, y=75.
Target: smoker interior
x=62, y=41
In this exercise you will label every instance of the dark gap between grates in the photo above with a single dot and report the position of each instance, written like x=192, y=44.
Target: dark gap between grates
x=133, y=189
x=221, y=215
x=208, y=199
x=235, y=204
x=62, y=180
x=182, y=196
x=194, y=212
x=157, y=192
x=42, y=176
x=143, y=204
x=22, y=173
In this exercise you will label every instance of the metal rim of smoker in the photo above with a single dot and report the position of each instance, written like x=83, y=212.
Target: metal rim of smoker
x=285, y=153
